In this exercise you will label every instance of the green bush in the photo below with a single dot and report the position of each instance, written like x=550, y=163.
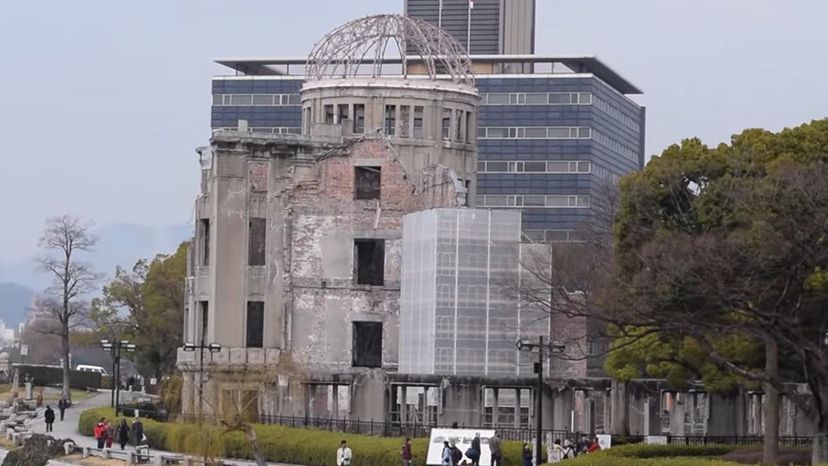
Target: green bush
x=48, y=376
x=597, y=459
x=641, y=450
x=281, y=444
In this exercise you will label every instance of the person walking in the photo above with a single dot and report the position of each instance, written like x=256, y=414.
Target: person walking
x=445, y=457
x=138, y=431
x=343, y=454
x=473, y=453
x=123, y=433
x=497, y=453
x=49, y=417
x=527, y=455
x=109, y=434
x=62, y=405
x=405, y=453
x=100, y=433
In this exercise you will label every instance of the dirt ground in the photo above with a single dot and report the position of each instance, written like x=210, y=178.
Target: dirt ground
x=91, y=461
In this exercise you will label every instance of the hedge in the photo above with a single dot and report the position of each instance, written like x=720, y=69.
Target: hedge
x=53, y=377
x=281, y=444
x=668, y=455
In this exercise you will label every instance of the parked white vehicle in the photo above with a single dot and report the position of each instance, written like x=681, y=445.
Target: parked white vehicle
x=88, y=368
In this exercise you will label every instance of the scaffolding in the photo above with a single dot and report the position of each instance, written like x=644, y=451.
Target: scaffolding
x=460, y=312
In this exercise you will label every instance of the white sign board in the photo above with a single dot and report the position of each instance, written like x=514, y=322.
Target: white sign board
x=24, y=350
x=655, y=440
x=604, y=441
x=463, y=439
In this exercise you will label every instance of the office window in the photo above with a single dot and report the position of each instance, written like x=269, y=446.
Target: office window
x=329, y=114
x=366, y=348
x=497, y=166
x=390, y=119
x=255, y=324
x=359, y=118
x=256, y=241
x=534, y=201
x=583, y=167
x=534, y=166
x=367, y=182
x=405, y=121
x=536, y=98
x=496, y=98
x=418, y=122
x=241, y=99
x=293, y=99
x=263, y=99
x=204, y=241
x=535, y=133
x=445, y=123
x=369, y=261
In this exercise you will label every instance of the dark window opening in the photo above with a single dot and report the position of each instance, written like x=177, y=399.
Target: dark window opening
x=405, y=120
x=367, y=344
x=469, y=127
x=446, y=124
x=418, y=122
x=204, y=246
x=205, y=313
x=255, y=324
x=367, y=182
x=329, y=114
x=458, y=125
x=342, y=113
x=390, y=119
x=257, y=239
x=369, y=261
x=359, y=118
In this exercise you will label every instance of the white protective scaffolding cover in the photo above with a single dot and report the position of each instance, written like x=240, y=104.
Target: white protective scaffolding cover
x=459, y=312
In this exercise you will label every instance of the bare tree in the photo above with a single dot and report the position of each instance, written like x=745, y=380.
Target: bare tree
x=64, y=238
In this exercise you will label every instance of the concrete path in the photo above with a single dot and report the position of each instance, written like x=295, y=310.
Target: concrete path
x=69, y=428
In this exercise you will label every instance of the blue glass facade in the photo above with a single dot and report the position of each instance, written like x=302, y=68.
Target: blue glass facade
x=548, y=144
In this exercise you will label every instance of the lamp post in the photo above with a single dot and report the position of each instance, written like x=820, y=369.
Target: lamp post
x=541, y=347
x=213, y=348
x=115, y=347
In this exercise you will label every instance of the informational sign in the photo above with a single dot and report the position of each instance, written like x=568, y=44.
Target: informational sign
x=655, y=440
x=24, y=350
x=604, y=441
x=462, y=438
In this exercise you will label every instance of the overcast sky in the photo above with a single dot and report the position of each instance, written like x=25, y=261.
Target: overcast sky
x=103, y=101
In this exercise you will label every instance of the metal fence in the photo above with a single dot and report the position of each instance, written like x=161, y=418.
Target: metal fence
x=522, y=434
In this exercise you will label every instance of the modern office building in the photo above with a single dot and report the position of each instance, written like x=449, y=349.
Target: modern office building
x=482, y=26
x=552, y=134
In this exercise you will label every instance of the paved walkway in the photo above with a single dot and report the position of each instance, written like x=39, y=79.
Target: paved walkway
x=68, y=428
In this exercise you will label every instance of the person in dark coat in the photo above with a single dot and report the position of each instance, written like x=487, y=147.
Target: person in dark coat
x=123, y=433
x=62, y=405
x=138, y=431
x=527, y=455
x=49, y=417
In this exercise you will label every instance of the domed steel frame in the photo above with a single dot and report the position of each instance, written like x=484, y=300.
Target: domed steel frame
x=342, y=51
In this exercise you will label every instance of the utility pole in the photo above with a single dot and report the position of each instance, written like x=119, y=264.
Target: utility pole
x=115, y=348
x=541, y=347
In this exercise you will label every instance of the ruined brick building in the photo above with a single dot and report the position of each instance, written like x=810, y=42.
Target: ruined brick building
x=296, y=266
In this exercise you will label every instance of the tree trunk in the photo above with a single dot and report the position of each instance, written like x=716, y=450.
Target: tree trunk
x=250, y=433
x=770, y=450
x=64, y=339
x=620, y=408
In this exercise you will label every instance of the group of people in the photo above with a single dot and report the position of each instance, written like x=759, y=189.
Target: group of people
x=49, y=414
x=452, y=456
x=569, y=450
x=105, y=432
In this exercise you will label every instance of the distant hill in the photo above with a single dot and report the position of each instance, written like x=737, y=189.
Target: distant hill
x=14, y=303
x=119, y=244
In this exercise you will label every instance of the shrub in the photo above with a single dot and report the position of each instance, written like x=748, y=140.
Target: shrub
x=597, y=459
x=640, y=450
x=280, y=444
x=49, y=376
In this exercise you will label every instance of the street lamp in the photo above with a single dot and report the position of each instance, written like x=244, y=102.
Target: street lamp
x=115, y=347
x=212, y=348
x=541, y=348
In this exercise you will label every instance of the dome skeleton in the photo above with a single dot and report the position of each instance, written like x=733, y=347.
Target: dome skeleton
x=342, y=51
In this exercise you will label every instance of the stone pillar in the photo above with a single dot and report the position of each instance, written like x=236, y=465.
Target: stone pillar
x=620, y=424
x=403, y=402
